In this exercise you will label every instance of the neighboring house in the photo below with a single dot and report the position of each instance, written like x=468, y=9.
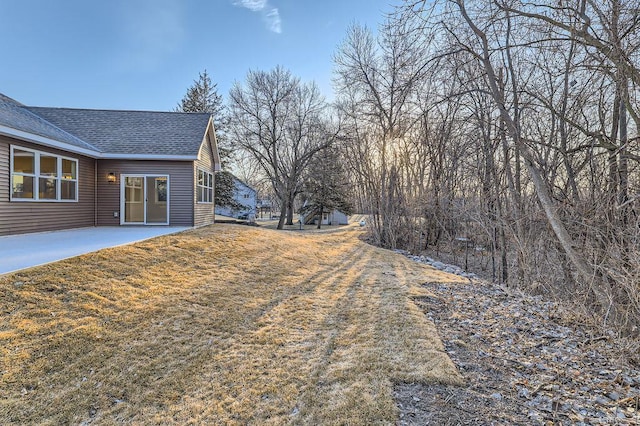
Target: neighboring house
x=245, y=196
x=66, y=168
x=335, y=217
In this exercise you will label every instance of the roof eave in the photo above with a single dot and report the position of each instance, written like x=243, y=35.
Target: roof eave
x=52, y=143
x=166, y=157
x=216, y=154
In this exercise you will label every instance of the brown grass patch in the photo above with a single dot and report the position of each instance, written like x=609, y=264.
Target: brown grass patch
x=221, y=325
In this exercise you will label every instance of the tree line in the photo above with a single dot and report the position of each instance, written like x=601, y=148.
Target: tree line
x=511, y=124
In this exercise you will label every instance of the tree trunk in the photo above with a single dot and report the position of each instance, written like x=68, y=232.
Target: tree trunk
x=289, y=209
x=283, y=212
x=320, y=218
x=623, y=164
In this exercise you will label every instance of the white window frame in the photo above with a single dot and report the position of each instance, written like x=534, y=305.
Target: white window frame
x=36, y=177
x=208, y=186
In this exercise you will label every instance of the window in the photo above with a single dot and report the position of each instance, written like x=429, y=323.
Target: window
x=205, y=187
x=40, y=176
x=69, y=180
x=48, y=182
x=23, y=174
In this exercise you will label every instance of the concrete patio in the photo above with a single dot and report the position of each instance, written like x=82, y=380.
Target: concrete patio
x=25, y=251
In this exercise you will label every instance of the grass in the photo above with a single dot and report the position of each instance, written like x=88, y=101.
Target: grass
x=219, y=325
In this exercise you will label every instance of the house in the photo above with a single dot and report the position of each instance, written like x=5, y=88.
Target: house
x=334, y=217
x=245, y=198
x=66, y=168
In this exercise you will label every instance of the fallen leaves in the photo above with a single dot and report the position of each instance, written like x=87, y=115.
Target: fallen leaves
x=524, y=361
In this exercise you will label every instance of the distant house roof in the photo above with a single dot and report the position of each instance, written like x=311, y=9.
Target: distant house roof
x=108, y=133
x=242, y=183
x=14, y=116
x=132, y=132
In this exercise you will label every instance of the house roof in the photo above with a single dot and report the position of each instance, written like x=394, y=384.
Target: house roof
x=242, y=183
x=109, y=133
x=14, y=116
x=132, y=132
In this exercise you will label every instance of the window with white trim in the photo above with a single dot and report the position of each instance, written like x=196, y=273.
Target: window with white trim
x=40, y=176
x=205, y=187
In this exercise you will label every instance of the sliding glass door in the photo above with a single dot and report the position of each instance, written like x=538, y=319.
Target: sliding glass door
x=144, y=200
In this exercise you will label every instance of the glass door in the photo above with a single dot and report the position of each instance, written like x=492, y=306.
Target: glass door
x=145, y=200
x=157, y=200
x=133, y=199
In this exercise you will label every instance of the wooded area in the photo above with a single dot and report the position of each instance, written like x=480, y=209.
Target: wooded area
x=510, y=125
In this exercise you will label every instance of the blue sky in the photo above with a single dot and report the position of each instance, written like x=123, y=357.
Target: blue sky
x=144, y=54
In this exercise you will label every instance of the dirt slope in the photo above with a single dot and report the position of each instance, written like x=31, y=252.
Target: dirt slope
x=220, y=325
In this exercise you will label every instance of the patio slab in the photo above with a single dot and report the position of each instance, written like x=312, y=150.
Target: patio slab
x=28, y=250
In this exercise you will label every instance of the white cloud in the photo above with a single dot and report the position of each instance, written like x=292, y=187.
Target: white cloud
x=270, y=15
x=273, y=21
x=253, y=5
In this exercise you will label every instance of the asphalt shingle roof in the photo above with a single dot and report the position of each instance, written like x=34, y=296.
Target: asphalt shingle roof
x=131, y=132
x=16, y=116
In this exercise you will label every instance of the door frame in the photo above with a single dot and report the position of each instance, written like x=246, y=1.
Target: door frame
x=145, y=194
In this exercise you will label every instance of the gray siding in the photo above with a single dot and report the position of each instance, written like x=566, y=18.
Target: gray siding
x=22, y=217
x=204, y=212
x=181, y=188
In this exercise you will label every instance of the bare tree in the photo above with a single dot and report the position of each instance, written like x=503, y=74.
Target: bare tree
x=377, y=79
x=279, y=121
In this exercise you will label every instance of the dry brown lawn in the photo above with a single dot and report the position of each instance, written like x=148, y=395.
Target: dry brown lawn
x=219, y=325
